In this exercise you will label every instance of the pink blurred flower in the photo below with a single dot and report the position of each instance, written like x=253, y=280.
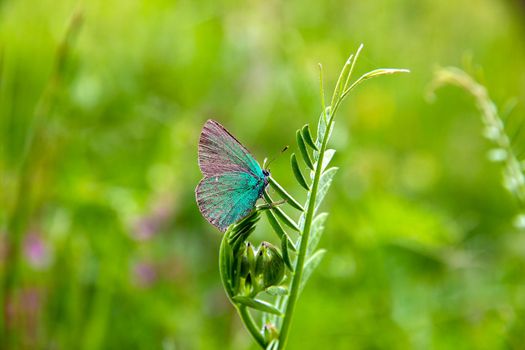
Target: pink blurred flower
x=36, y=251
x=144, y=274
x=147, y=226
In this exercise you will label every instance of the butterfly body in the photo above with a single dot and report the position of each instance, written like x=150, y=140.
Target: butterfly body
x=233, y=180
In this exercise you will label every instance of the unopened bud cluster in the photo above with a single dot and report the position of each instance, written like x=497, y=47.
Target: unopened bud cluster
x=258, y=269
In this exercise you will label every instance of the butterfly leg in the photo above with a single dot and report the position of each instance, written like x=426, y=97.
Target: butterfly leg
x=267, y=205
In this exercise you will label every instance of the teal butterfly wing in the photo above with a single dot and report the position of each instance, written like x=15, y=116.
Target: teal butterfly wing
x=225, y=199
x=233, y=180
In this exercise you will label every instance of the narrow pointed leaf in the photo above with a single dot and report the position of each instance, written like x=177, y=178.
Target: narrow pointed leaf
x=303, y=150
x=307, y=136
x=373, y=74
x=277, y=227
x=285, y=195
x=256, y=304
x=225, y=265
x=297, y=172
x=316, y=232
x=324, y=184
x=286, y=219
x=310, y=265
x=328, y=155
x=274, y=345
x=321, y=127
x=277, y=290
x=281, y=214
x=240, y=231
x=302, y=217
x=286, y=255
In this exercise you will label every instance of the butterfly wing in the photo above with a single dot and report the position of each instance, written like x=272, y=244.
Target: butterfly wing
x=226, y=198
x=220, y=152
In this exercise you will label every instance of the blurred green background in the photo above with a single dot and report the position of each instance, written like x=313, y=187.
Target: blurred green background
x=103, y=247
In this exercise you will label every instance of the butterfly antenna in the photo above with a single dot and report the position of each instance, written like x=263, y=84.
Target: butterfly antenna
x=266, y=163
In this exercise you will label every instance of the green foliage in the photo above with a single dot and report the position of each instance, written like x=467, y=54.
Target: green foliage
x=503, y=151
x=112, y=252
x=310, y=226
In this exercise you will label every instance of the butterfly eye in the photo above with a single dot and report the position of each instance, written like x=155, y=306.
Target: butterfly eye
x=266, y=172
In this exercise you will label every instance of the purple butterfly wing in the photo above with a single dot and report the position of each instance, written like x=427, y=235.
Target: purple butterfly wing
x=227, y=198
x=220, y=152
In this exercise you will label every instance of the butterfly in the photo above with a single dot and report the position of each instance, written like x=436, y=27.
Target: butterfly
x=233, y=180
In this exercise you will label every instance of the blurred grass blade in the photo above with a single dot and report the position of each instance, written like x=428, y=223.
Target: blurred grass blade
x=285, y=195
x=297, y=172
x=307, y=136
x=304, y=152
x=256, y=304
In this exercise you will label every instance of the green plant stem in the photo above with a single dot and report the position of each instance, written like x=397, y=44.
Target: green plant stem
x=298, y=271
x=250, y=325
x=340, y=92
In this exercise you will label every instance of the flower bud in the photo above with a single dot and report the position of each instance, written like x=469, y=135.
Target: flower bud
x=273, y=271
x=245, y=283
x=259, y=261
x=250, y=254
x=247, y=261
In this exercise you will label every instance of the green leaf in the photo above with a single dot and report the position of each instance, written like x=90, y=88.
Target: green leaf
x=307, y=136
x=285, y=219
x=304, y=151
x=324, y=184
x=285, y=195
x=286, y=255
x=225, y=265
x=297, y=172
x=310, y=265
x=274, y=345
x=328, y=155
x=256, y=304
x=281, y=214
x=277, y=227
x=316, y=232
x=238, y=233
x=277, y=290
x=373, y=74
x=321, y=129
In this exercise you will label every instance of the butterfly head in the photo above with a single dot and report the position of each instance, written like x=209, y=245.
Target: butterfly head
x=266, y=163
